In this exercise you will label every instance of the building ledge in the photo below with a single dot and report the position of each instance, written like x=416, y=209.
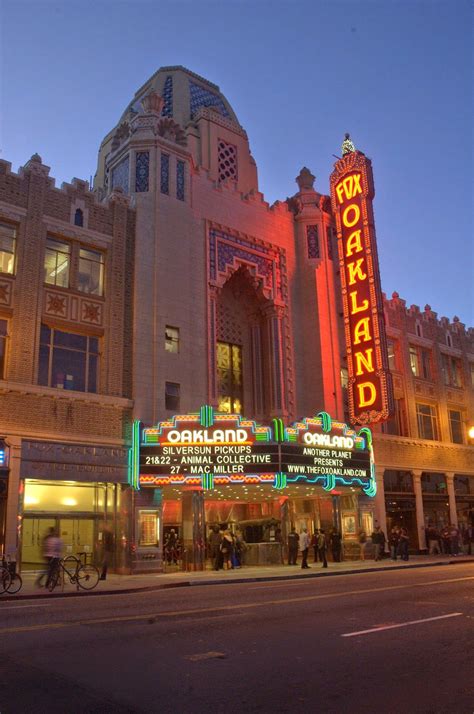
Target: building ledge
x=67, y=394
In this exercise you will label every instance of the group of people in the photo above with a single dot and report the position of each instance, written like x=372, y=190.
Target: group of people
x=449, y=540
x=225, y=548
x=319, y=541
x=172, y=548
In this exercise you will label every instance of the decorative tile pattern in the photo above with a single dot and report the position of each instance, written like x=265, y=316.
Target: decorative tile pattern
x=73, y=308
x=142, y=168
x=56, y=304
x=227, y=157
x=201, y=97
x=167, y=95
x=312, y=241
x=165, y=174
x=329, y=234
x=180, y=168
x=120, y=175
x=91, y=312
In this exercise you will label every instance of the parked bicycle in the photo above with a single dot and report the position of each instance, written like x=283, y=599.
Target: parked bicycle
x=5, y=579
x=84, y=577
x=14, y=583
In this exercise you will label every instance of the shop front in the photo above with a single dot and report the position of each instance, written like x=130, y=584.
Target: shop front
x=77, y=490
x=208, y=470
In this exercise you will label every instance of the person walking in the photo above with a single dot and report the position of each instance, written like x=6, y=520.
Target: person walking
x=403, y=544
x=322, y=547
x=362, y=543
x=108, y=546
x=378, y=539
x=469, y=538
x=314, y=544
x=454, y=539
x=432, y=536
x=304, y=547
x=53, y=551
x=227, y=549
x=46, y=558
x=214, y=544
x=293, y=543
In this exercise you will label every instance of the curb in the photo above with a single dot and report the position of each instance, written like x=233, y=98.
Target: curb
x=236, y=581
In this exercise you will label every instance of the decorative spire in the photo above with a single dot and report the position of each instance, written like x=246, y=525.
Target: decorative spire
x=305, y=180
x=347, y=145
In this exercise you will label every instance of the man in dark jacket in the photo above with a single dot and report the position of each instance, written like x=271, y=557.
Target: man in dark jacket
x=378, y=539
x=293, y=541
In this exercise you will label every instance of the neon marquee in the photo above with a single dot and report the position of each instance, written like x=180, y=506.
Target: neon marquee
x=209, y=449
x=369, y=386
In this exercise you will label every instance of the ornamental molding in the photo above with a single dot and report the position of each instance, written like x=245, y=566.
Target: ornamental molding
x=70, y=395
x=74, y=233
x=77, y=308
x=15, y=214
x=216, y=117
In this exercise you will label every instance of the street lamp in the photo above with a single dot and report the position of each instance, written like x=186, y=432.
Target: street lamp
x=470, y=433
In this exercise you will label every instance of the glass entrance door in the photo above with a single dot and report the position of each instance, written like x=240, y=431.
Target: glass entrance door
x=33, y=533
x=77, y=536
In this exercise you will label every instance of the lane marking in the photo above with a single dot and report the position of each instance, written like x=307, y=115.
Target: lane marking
x=205, y=655
x=226, y=608
x=401, y=624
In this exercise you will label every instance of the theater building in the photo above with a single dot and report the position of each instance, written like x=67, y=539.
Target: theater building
x=187, y=300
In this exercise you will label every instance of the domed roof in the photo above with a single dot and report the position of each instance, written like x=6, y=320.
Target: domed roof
x=184, y=93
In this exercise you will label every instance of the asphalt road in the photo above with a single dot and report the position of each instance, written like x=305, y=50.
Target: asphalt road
x=258, y=647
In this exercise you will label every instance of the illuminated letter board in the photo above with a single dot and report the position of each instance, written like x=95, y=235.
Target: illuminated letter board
x=369, y=386
x=209, y=449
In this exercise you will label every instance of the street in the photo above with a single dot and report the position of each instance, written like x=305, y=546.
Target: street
x=397, y=641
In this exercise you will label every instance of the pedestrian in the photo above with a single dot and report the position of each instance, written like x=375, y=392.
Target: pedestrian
x=304, y=547
x=432, y=536
x=293, y=543
x=314, y=544
x=53, y=551
x=214, y=543
x=445, y=540
x=403, y=544
x=46, y=558
x=454, y=540
x=469, y=538
x=227, y=549
x=322, y=547
x=378, y=539
x=336, y=545
x=393, y=542
x=362, y=543
x=240, y=547
x=108, y=550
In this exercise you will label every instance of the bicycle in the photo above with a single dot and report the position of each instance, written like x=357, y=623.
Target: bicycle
x=84, y=577
x=16, y=582
x=5, y=579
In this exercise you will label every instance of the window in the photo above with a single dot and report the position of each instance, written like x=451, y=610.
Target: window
x=180, y=180
x=68, y=360
x=229, y=378
x=227, y=160
x=148, y=528
x=171, y=339
x=451, y=371
x=78, y=217
x=172, y=396
x=398, y=481
x=56, y=263
x=344, y=377
x=420, y=362
x=165, y=174
x=392, y=359
x=90, y=277
x=427, y=422
x=3, y=346
x=449, y=341
x=471, y=369
x=7, y=248
x=419, y=330
x=455, y=426
x=397, y=425
x=433, y=483
x=463, y=484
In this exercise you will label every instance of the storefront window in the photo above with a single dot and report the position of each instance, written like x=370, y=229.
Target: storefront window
x=433, y=483
x=463, y=484
x=65, y=497
x=148, y=528
x=398, y=481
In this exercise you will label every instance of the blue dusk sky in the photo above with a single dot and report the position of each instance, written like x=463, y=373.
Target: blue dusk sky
x=397, y=74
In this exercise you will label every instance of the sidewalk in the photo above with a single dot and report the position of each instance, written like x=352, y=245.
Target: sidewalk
x=117, y=584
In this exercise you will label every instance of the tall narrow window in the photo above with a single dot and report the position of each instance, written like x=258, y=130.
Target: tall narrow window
x=78, y=217
x=142, y=166
x=455, y=426
x=171, y=339
x=90, y=277
x=7, y=248
x=56, y=263
x=172, y=395
x=165, y=174
x=3, y=346
x=451, y=371
x=426, y=364
x=229, y=378
x=68, y=360
x=427, y=422
x=415, y=368
x=471, y=369
x=180, y=179
x=392, y=361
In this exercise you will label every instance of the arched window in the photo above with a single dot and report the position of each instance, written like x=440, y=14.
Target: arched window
x=78, y=217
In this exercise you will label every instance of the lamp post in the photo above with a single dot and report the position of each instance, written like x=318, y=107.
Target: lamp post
x=470, y=433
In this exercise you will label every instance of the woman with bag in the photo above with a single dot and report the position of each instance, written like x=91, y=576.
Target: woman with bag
x=227, y=549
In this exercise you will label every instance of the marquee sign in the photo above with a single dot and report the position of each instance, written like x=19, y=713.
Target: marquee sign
x=369, y=386
x=209, y=449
